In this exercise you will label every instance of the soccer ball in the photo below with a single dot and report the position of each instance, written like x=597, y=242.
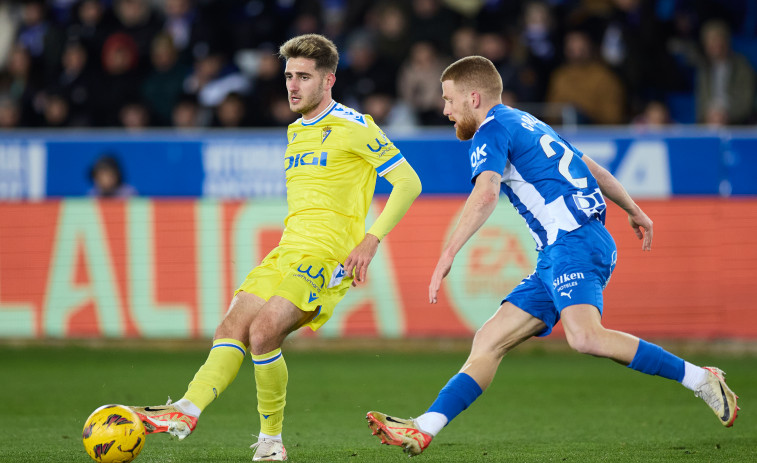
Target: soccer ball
x=113, y=434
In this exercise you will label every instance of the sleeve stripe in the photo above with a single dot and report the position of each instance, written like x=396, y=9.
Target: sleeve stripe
x=384, y=168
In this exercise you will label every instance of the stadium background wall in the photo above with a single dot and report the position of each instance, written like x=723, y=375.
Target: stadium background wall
x=166, y=268
x=165, y=265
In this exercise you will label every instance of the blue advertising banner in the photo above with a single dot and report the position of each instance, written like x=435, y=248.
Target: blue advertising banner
x=247, y=164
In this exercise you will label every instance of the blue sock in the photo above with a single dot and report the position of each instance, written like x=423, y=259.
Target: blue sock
x=653, y=360
x=456, y=396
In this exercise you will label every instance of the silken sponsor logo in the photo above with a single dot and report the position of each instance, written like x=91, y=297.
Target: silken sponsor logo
x=306, y=159
x=567, y=280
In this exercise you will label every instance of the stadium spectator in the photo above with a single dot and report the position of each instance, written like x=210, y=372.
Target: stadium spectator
x=266, y=88
x=231, y=112
x=392, y=115
x=423, y=66
x=432, y=21
x=20, y=84
x=164, y=84
x=134, y=116
x=366, y=72
x=34, y=28
x=55, y=110
x=464, y=42
x=8, y=25
x=140, y=21
x=587, y=83
x=108, y=179
x=517, y=77
x=389, y=22
x=76, y=82
x=539, y=43
x=214, y=77
x=187, y=27
x=90, y=26
x=725, y=91
x=186, y=113
x=655, y=116
x=118, y=82
x=10, y=114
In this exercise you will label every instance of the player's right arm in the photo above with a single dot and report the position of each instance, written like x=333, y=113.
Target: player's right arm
x=478, y=207
x=612, y=189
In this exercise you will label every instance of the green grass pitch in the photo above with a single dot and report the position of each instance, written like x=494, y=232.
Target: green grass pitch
x=542, y=407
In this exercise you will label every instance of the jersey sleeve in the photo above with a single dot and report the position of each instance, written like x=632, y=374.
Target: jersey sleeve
x=372, y=144
x=489, y=150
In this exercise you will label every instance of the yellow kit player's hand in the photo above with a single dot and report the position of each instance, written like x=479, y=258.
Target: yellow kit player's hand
x=360, y=258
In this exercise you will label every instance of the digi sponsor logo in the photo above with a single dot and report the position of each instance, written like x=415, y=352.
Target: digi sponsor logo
x=567, y=280
x=306, y=159
x=478, y=156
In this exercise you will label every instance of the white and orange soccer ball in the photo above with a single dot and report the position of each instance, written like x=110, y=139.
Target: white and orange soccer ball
x=113, y=434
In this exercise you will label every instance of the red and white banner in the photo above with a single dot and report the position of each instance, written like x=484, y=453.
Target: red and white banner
x=80, y=268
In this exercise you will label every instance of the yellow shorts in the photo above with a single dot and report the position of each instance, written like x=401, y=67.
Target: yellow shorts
x=313, y=284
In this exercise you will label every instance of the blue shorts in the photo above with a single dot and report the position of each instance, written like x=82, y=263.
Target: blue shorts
x=573, y=270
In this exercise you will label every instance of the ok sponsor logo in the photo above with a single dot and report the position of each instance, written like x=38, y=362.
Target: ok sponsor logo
x=478, y=156
x=306, y=159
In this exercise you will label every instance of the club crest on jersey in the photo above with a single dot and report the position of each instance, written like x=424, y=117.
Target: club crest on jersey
x=325, y=134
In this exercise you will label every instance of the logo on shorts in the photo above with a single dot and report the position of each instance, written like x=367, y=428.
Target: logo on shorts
x=563, y=293
x=313, y=296
x=567, y=280
x=315, y=277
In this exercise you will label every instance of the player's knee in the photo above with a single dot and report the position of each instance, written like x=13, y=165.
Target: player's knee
x=485, y=345
x=583, y=341
x=228, y=330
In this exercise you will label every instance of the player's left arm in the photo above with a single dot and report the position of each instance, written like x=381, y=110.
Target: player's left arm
x=406, y=186
x=611, y=188
x=478, y=207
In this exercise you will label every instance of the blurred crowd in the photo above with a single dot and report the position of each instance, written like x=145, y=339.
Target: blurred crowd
x=213, y=63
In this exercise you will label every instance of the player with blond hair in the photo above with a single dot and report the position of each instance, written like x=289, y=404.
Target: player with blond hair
x=560, y=194
x=333, y=157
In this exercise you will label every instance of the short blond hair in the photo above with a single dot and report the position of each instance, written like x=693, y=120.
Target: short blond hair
x=475, y=73
x=312, y=46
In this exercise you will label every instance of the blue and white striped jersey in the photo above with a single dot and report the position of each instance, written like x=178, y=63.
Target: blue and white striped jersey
x=542, y=174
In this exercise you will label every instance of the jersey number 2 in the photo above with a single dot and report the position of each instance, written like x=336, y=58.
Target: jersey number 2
x=546, y=144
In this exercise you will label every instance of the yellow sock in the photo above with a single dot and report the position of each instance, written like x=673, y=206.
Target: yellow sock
x=219, y=370
x=271, y=378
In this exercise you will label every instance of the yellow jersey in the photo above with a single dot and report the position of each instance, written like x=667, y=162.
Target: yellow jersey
x=331, y=164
